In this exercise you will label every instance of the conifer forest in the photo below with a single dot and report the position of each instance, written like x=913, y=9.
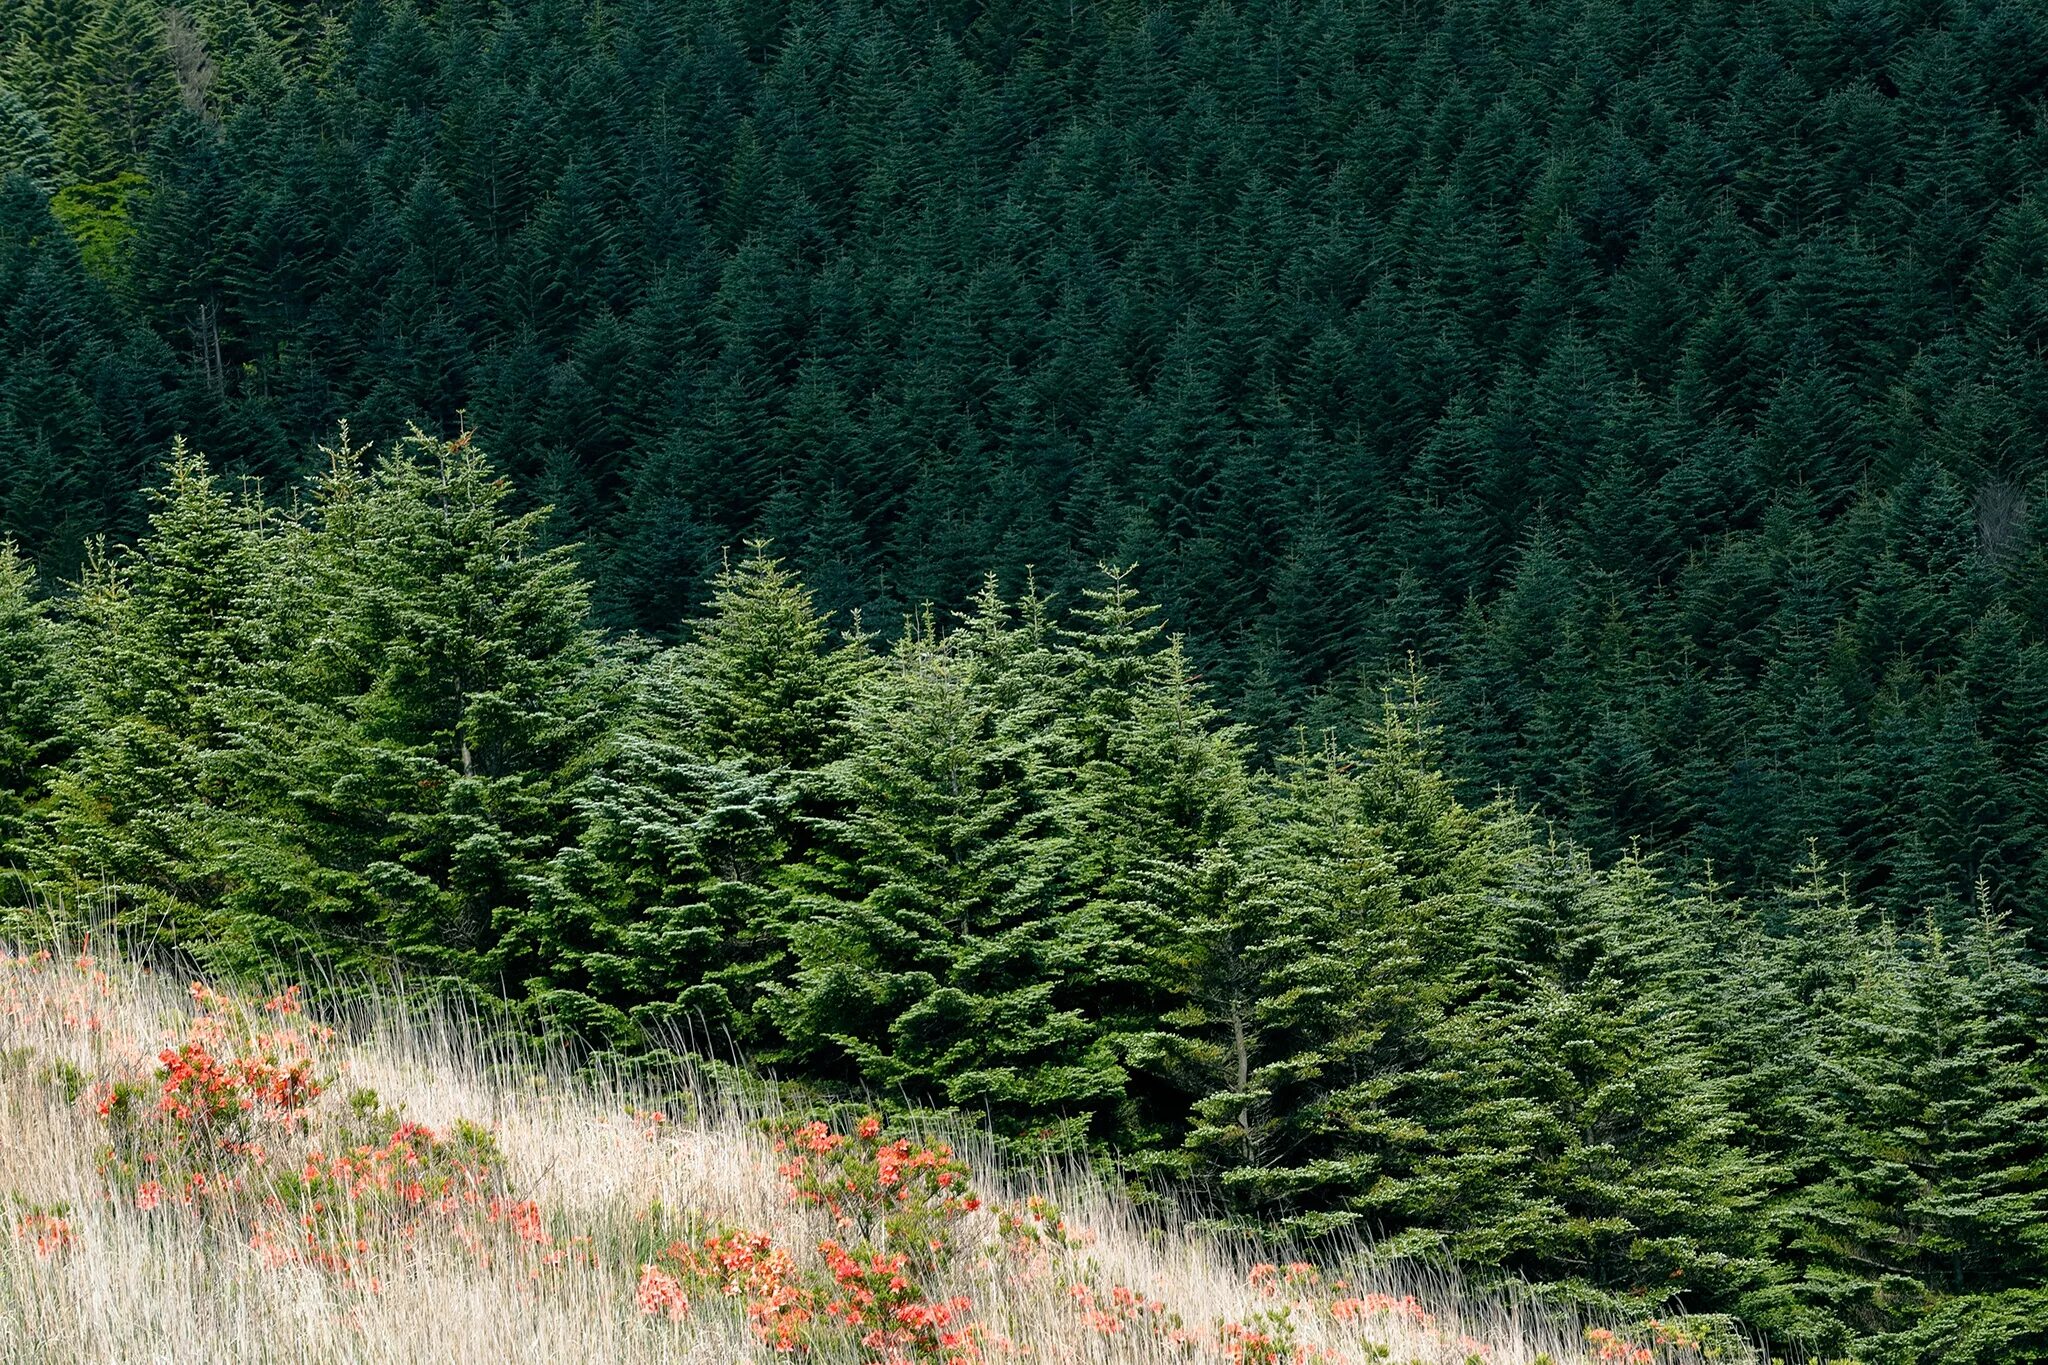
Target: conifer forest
x=1412, y=624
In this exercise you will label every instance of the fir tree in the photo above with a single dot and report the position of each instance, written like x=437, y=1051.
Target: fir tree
x=1577, y=1131
x=31, y=696
x=1931, y=1198
x=464, y=691
x=678, y=903
x=169, y=644
x=760, y=680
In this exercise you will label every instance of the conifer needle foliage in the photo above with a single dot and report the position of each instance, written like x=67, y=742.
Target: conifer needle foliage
x=1415, y=621
x=1018, y=866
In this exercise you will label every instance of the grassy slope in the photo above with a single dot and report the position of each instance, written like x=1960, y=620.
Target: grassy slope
x=534, y=1248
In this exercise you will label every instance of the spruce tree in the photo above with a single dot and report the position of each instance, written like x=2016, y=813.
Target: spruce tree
x=31, y=698
x=118, y=85
x=464, y=691
x=1931, y=1199
x=170, y=650
x=761, y=682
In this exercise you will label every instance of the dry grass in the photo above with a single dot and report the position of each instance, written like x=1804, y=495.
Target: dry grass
x=179, y=1283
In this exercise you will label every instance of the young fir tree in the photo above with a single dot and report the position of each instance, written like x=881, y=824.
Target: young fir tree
x=944, y=970
x=1576, y=1132
x=1922, y=1228
x=1295, y=1056
x=1401, y=869
x=463, y=692
x=1158, y=785
x=674, y=909
x=119, y=85
x=170, y=644
x=628, y=936
x=26, y=147
x=760, y=678
x=31, y=698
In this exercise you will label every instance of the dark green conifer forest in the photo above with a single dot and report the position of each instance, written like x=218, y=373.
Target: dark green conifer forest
x=1424, y=621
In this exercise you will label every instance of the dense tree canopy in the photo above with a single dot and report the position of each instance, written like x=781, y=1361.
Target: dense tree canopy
x=1669, y=379
x=1020, y=865
x=1552, y=772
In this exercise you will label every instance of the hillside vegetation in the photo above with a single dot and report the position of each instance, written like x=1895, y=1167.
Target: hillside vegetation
x=190, y=1175
x=1017, y=864
x=1668, y=376
x=1413, y=623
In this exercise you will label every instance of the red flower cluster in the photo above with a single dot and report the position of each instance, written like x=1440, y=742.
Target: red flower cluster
x=866, y=1283
x=1406, y=1308
x=1641, y=1346
x=196, y=1088
x=46, y=1233
x=1610, y=1346
x=917, y=1192
x=736, y=1265
x=206, y=1097
x=879, y=1301
x=660, y=1294
x=523, y=1217
x=1121, y=1310
x=413, y=1166
x=1244, y=1344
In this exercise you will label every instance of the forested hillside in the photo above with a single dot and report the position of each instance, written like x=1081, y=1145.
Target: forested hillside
x=1667, y=376
x=1018, y=863
x=1554, y=772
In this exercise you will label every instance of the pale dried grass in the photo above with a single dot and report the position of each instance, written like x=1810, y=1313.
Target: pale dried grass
x=146, y=1287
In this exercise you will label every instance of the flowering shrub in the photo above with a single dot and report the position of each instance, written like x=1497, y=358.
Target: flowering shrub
x=661, y=1294
x=1267, y=1339
x=1607, y=1345
x=203, y=1094
x=397, y=1165
x=779, y=1304
x=910, y=1199
x=865, y=1296
x=1298, y=1297
x=232, y=1121
x=45, y=1232
x=1645, y=1343
x=219, y=1099
x=1123, y=1310
x=877, y=1299
x=219, y=1091
x=916, y=1193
